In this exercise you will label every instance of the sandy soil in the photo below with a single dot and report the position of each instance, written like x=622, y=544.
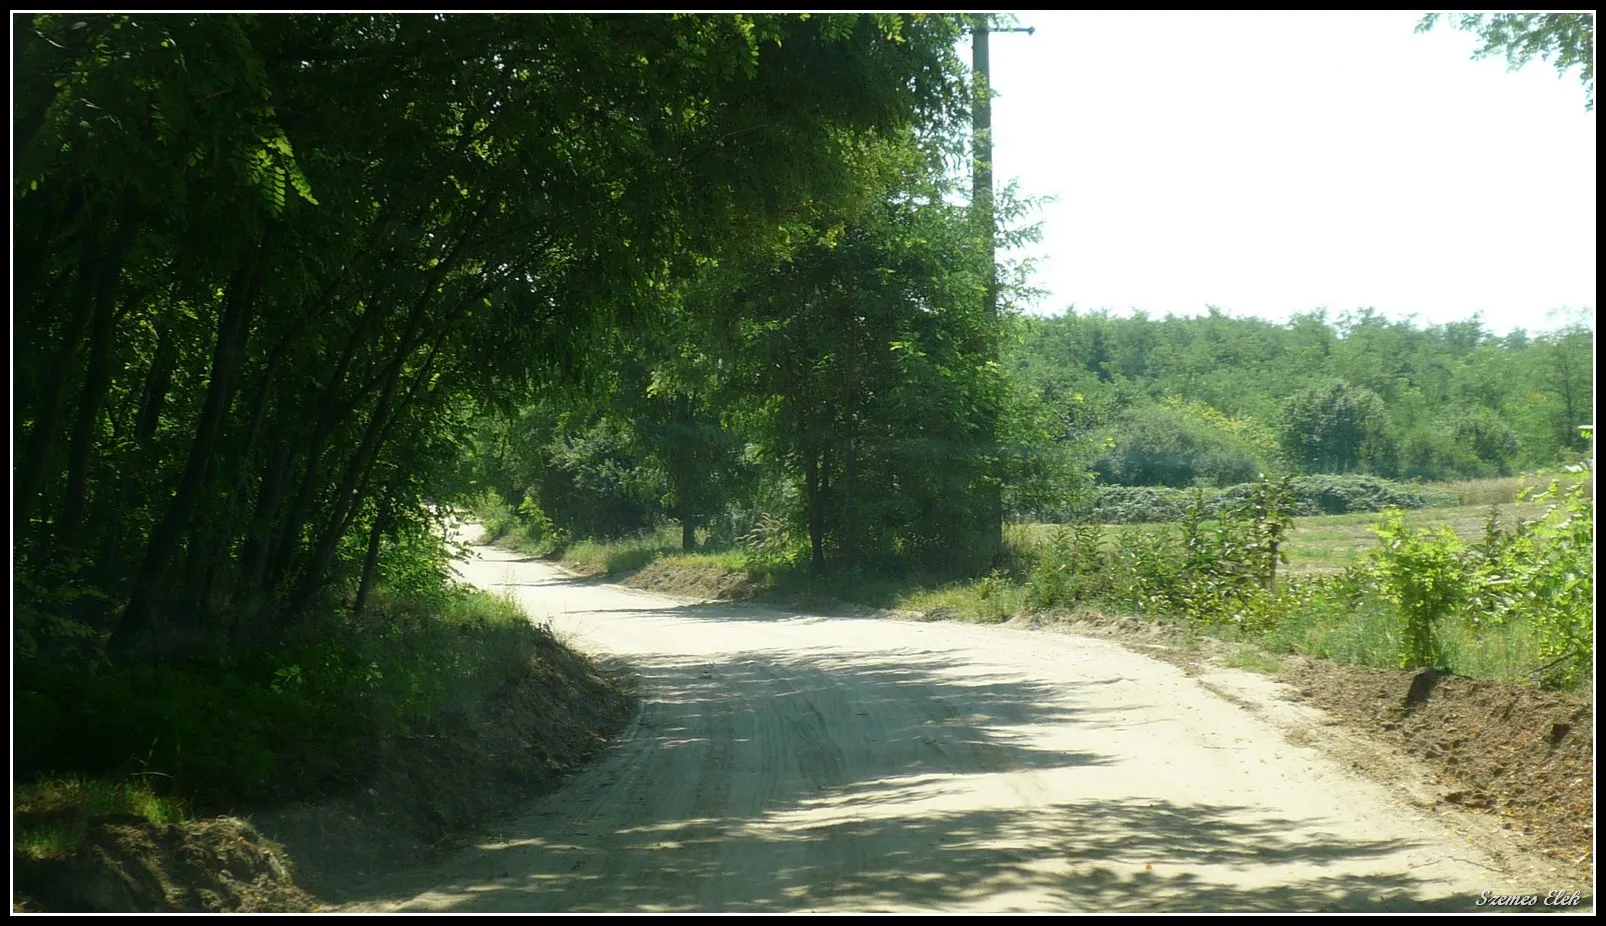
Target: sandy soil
x=787, y=762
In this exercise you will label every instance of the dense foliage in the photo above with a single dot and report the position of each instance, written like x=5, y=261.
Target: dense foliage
x=836, y=396
x=270, y=265
x=276, y=275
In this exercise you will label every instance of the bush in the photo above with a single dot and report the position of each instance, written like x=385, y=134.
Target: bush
x=492, y=511
x=1543, y=574
x=1137, y=504
x=1330, y=494
x=1422, y=573
x=1538, y=574
x=1165, y=446
x=1070, y=568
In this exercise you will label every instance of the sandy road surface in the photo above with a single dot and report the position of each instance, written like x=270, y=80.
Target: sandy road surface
x=790, y=763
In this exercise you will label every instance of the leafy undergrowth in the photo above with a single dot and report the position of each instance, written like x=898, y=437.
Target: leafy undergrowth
x=501, y=712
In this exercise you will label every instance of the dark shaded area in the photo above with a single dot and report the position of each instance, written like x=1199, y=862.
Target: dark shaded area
x=1422, y=685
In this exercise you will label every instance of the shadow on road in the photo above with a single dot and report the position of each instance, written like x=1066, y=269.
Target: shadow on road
x=748, y=789
x=1093, y=856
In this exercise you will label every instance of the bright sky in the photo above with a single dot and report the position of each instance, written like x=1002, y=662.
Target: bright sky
x=1273, y=163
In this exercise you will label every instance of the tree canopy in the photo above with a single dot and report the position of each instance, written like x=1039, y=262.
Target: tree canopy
x=1569, y=38
x=270, y=266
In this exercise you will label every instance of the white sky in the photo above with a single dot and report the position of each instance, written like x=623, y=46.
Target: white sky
x=1272, y=163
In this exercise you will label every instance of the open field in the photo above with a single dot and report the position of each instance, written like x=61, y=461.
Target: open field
x=1329, y=543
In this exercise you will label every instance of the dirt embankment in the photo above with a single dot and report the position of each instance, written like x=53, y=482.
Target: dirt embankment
x=429, y=792
x=1515, y=764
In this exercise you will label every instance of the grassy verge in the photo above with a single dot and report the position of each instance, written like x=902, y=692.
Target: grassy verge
x=1367, y=631
x=94, y=738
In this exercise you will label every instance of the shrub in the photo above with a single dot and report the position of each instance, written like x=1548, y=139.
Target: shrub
x=1166, y=446
x=1542, y=573
x=1422, y=573
x=1330, y=494
x=1070, y=568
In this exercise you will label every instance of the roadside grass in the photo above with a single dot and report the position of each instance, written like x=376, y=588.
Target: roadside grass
x=626, y=554
x=52, y=816
x=1361, y=630
x=1368, y=631
x=1253, y=659
x=255, y=728
x=985, y=601
x=1362, y=633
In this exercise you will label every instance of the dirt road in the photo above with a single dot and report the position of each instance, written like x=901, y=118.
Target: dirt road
x=784, y=762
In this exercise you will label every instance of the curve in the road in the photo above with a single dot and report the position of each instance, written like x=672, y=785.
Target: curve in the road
x=784, y=762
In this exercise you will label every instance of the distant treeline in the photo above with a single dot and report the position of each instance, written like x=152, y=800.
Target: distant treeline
x=1214, y=400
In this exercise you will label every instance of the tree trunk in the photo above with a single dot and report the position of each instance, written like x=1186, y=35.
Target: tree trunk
x=370, y=562
x=154, y=397
x=849, y=521
x=278, y=552
x=96, y=380
x=137, y=627
x=42, y=438
x=816, y=485
x=355, y=484
x=283, y=552
x=254, y=549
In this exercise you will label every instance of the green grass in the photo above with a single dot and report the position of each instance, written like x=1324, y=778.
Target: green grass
x=626, y=554
x=1253, y=659
x=732, y=560
x=1331, y=543
x=987, y=601
x=52, y=816
x=1368, y=633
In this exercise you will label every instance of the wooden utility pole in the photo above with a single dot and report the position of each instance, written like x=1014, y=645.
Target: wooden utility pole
x=981, y=201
